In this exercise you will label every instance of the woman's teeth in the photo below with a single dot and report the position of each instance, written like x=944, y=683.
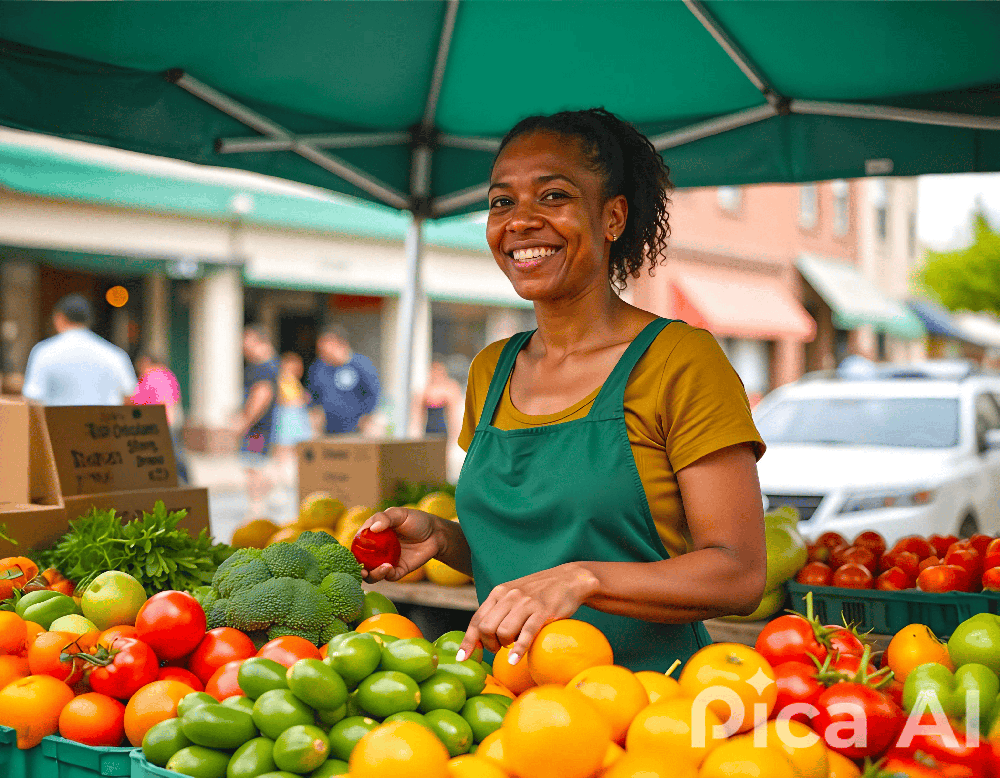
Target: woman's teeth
x=522, y=254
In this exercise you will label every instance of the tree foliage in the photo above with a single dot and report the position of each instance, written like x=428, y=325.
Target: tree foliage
x=967, y=279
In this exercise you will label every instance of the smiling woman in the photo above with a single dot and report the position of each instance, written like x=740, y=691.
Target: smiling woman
x=611, y=468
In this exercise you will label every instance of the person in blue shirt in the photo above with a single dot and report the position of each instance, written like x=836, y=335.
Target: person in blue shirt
x=255, y=421
x=343, y=383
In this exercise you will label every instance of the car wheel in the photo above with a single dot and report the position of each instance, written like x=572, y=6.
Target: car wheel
x=968, y=527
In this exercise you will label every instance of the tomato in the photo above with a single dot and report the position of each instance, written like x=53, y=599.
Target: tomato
x=122, y=631
x=93, y=719
x=992, y=556
x=968, y=559
x=906, y=561
x=789, y=638
x=46, y=655
x=858, y=555
x=815, y=574
x=182, y=675
x=948, y=745
x=225, y=682
x=844, y=641
x=218, y=647
x=123, y=667
x=918, y=545
x=880, y=725
x=991, y=579
x=931, y=561
x=872, y=540
x=172, y=624
x=850, y=665
x=943, y=578
x=796, y=683
x=941, y=543
x=902, y=766
x=288, y=650
x=853, y=576
x=817, y=553
x=832, y=540
x=15, y=572
x=372, y=549
x=912, y=646
x=980, y=543
x=894, y=580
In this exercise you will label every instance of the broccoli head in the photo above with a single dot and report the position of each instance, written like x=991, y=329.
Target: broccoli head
x=344, y=594
x=333, y=628
x=280, y=602
x=335, y=558
x=243, y=569
x=287, y=560
x=310, y=539
x=215, y=616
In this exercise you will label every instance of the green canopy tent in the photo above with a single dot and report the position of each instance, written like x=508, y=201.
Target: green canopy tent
x=404, y=103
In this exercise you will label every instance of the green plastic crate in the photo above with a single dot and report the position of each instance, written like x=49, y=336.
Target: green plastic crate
x=143, y=769
x=62, y=758
x=15, y=763
x=885, y=613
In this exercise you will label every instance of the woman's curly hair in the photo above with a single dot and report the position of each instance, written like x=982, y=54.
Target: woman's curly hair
x=630, y=167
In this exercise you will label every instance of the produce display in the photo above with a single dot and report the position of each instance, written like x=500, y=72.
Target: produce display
x=940, y=563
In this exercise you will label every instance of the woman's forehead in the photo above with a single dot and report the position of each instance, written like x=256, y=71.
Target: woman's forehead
x=541, y=152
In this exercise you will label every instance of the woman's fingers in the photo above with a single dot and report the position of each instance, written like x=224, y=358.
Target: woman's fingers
x=526, y=636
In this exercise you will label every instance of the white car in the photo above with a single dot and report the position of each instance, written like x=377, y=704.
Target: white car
x=909, y=450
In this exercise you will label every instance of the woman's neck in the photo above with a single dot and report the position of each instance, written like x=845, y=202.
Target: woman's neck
x=582, y=322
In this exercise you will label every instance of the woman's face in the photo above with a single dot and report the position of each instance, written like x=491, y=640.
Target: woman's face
x=549, y=223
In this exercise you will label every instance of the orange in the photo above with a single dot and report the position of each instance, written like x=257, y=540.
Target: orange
x=659, y=686
x=551, y=730
x=739, y=669
x=615, y=692
x=802, y=746
x=13, y=633
x=31, y=706
x=612, y=755
x=676, y=727
x=94, y=720
x=912, y=646
x=514, y=677
x=492, y=687
x=390, y=624
x=651, y=766
x=287, y=534
x=153, y=703
x=492, y=748
x=399, y=748
x=840, y=766
x=12, y=668
x=33, y=630
x=562, y=649
x=254, y=534
x=472, y=766
x=738, y=757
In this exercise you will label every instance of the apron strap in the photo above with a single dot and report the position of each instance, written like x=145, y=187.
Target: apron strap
x=610, y=400
x=505, y=366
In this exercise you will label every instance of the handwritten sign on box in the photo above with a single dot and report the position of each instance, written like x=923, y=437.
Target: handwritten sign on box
x=102, y=449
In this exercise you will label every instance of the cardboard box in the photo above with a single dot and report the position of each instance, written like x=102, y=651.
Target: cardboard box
x=130, y=505
x=363, y=471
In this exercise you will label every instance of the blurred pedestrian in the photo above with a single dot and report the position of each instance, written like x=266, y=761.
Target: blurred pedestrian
x=255, y=422
x=159, y=386
x=439, y=408
x=343, y=383
x=77, y=366
x=291, y=421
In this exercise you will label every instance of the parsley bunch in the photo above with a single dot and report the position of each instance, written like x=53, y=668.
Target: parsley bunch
x=151, y=549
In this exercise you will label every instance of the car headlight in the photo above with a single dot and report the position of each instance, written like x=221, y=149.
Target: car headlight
x=897, y=498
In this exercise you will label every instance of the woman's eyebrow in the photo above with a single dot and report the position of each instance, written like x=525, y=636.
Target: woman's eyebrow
x=539, y=180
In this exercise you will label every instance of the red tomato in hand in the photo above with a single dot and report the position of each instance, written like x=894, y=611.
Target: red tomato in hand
x=796, y=683
x=171, y=623
x=372, y=549
x=942, y=578
x=894, y=580
x=225, y=681
x=918, y=545
x=218, y=647
x=853, y=576
x=815, y=574
x=789, y=638
x=288, y=650
x=182, y=675
x=906, y=561
x=872, y=540
x=131, y=664
x=858, y=555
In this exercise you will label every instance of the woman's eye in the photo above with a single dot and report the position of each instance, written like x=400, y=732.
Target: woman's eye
x=555, y=196
x=500, y=202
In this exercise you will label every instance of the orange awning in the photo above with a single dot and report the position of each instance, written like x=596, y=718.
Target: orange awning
x=739, y=305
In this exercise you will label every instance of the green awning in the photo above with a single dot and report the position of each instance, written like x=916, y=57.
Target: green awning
x=856, y=301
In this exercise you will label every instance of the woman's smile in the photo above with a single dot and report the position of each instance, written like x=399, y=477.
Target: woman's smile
x=531, y=257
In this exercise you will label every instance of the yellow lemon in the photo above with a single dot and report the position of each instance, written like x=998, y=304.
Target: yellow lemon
x=254, y=534
x=438, y=572
x=320, y=510
x=438, y=503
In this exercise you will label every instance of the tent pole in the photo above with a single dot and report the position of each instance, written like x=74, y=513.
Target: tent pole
x=406, y=320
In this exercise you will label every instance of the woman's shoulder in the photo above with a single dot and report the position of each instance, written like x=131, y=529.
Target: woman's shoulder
x=680, y=338
x=485, y=362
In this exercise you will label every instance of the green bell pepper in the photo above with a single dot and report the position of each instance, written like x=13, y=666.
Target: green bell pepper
x=977, y=639
x=45, y=606
x=952, y=690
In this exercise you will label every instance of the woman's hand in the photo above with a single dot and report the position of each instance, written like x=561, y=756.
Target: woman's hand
x=515, y=611
x=419, y=540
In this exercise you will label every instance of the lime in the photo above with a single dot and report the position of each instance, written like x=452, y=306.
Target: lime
x=252, y=758
x=331, y=768
x=163, y=740
x=239, y=702
x=258, y=675
x=278, y=774
x=413, y=656
x=376, y=603
x=450, y=642
x=346, y=733
x=318, y=685
x=442, y=691
x=387, y=692
x=484, y=716
x=327, y=718
x=353, y=656
x=407, y=715
x=470, y=672
x=277, y=710
x=382, y=638
x=487, y=667
x=503, y=699
x=452, y=730
x=301, y=749
x=199, y=762
x=353, y=708
x=194, y=700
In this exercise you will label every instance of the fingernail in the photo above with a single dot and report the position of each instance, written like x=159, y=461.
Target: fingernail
x=460, y=655
x=513, y=658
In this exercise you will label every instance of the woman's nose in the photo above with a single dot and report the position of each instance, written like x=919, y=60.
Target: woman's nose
x=523, y=216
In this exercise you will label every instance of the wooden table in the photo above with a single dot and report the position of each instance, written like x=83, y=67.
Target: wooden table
x=463, y=598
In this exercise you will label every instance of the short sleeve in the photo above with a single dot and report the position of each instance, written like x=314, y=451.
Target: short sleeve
x=34, y=375
x=480, y=375
x=703, y=402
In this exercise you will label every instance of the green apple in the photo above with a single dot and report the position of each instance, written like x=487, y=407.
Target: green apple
x=112, y=599
x=75, y=624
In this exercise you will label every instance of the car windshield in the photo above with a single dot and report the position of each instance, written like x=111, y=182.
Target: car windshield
x=911, y=422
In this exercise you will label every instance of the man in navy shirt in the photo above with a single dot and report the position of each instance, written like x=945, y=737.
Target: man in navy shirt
x=343, y=383
x=255, y=421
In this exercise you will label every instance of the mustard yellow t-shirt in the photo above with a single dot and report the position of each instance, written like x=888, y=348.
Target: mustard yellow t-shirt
x=683, y=401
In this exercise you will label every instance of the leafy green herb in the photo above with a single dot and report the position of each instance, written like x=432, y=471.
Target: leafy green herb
x=151, y=549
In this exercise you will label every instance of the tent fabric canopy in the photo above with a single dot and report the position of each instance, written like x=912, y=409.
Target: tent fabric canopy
x=404, y=103
x=856, y=301
x=936, y=318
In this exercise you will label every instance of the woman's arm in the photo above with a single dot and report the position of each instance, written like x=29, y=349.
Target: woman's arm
x=723, y=574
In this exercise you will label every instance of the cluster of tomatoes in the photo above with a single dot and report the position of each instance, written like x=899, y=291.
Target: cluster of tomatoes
x=940, y=563
x=22, y=574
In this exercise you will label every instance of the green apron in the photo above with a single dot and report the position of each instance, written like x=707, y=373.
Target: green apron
x=532, y=499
